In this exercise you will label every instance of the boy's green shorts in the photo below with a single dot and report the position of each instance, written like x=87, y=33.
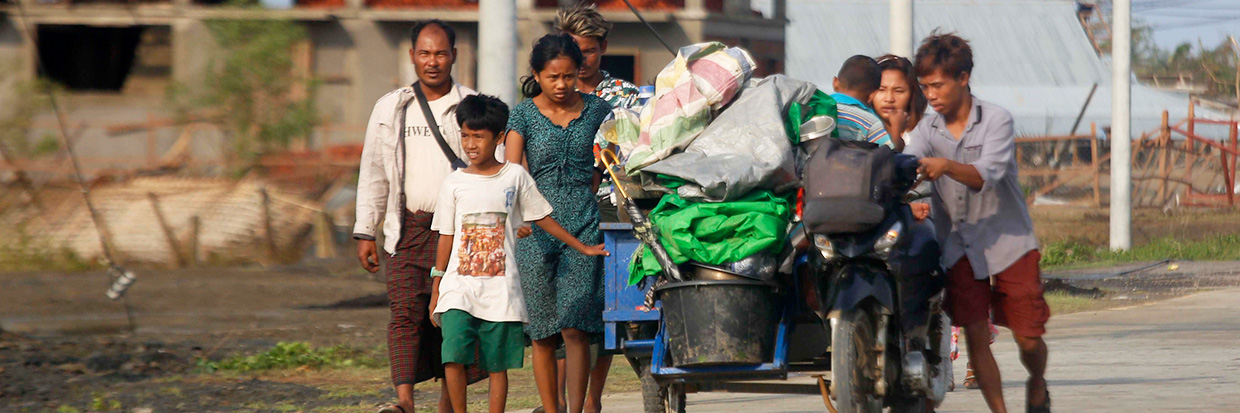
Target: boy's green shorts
x=501, y=345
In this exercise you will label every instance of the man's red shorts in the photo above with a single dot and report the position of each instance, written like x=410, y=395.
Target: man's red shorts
x=1015, y=299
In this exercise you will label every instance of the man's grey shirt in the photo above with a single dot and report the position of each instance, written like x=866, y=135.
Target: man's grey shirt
x=990, y=226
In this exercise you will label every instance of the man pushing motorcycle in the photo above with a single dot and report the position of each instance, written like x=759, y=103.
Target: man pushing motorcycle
x=980, y=217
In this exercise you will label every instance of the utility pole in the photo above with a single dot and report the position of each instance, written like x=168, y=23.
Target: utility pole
x=901, y=28
x=1121, y=125
x=497, y=48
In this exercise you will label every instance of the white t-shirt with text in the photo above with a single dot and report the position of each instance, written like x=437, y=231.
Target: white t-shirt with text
x=483, y=213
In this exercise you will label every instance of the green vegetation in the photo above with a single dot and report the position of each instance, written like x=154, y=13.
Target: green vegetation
x=1214, y=67
x=1073, y=253
x=254, y=91
x=20, y=100
x=22, y=252
x=100, y=403
x=294, y=355
x=1064, y=303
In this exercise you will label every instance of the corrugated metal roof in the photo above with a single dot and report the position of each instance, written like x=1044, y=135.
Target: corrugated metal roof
x=1031, y=57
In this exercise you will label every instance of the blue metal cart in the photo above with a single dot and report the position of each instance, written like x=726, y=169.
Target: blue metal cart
x=637, y=333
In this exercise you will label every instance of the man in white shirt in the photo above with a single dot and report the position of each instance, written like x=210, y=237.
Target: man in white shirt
x=402, y=167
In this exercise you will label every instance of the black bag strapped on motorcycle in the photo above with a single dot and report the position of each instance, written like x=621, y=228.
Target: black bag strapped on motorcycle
x=847, y=183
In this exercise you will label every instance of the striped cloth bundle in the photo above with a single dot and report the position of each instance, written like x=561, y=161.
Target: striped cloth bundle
x=699, y=81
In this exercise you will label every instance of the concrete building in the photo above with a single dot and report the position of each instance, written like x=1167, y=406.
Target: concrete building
x=119, y=56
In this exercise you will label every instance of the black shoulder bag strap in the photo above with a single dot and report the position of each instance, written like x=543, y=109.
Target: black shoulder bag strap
x=456, y=162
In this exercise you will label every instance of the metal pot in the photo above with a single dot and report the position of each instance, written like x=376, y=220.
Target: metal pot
x=703, y=272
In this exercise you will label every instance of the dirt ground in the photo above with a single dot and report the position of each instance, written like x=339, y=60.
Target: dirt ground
x=66, y=344
x=65, y=347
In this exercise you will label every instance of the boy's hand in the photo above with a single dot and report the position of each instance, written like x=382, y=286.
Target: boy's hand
x=434, y=301
x=596, y=250
x=921, y=210
x=523, y=232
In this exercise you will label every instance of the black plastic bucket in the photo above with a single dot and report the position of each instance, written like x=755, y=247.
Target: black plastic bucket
x=719, y=322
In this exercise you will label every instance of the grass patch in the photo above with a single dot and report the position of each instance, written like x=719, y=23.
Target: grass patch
x=171, y=391
x=348, y=393
x=1067, y=254
x=366, y=386
x=24, y=252
x=372, y=386
x=1064, y=303
x=293, y=355
x=285, y=407
x=101, y=403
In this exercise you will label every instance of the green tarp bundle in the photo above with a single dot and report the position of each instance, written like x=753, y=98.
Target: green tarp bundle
x=715, y=232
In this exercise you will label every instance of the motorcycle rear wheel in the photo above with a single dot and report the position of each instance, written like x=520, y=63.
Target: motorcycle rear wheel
x=854, y=362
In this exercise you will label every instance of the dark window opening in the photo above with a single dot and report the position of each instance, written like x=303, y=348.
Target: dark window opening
x=87, y=57
x=620, y=66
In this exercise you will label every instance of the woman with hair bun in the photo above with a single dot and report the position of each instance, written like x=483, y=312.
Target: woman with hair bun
x=552, y=133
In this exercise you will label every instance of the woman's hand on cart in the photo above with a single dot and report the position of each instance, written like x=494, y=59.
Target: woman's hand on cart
x=596, y=251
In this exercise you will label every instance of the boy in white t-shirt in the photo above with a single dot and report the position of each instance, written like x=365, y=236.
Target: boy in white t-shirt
x=476, y=299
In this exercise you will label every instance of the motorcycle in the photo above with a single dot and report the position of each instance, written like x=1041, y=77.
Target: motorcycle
x=879, y=278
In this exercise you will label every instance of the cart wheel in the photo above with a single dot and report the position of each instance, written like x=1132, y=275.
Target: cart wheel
x=656, y=397
x=653, y=395
x=910, y=405
x=675, y=398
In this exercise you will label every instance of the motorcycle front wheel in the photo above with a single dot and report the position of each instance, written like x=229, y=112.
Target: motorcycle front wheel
x=854, y=362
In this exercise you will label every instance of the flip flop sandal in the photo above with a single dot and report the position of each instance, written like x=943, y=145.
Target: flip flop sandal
x=1044, y=408
x=394, y=408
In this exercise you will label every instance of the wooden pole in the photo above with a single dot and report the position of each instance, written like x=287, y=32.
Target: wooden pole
x=269, y=240
x=1056, y=185
x=1164, y=157
x=324, y=242
x=1097, y=165
x=195, y=231
x=1231, y=180
x=152, y=142
x=1227, y=175
x=173, y=245
x=1191, y=148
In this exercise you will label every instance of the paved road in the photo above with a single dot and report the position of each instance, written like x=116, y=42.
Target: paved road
x=1179, y=355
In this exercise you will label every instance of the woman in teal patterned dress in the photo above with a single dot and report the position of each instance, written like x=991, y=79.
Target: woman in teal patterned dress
x=552, y=132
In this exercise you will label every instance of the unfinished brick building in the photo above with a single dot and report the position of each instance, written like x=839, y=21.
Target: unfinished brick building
x=117, y=57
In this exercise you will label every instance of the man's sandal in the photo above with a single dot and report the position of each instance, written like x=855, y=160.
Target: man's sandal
x=392, y=408
x=1044, y=408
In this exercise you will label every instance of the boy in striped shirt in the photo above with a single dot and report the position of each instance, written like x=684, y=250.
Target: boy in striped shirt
x=856, y=82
